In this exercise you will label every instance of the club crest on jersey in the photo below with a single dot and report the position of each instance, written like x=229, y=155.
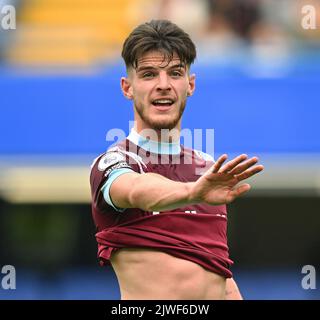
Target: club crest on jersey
x=110, y=159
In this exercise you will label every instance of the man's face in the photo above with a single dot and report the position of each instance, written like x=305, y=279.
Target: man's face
x=159, y=89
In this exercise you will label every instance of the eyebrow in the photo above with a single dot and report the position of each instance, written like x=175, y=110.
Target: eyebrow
x=143, y=68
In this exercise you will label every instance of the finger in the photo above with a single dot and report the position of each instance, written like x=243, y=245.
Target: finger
x=239, y=191
x=244, y=166
x=233, y=163
x=249, y=173
x=219, y=163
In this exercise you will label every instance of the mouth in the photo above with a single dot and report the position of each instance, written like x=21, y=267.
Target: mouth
x=162, y=104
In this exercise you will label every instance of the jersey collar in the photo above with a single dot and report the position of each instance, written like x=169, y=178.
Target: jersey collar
x=154, y=146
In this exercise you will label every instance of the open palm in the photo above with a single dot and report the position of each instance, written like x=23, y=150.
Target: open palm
x=219, y=185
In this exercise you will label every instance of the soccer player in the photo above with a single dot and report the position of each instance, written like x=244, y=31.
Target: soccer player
x=160, y=221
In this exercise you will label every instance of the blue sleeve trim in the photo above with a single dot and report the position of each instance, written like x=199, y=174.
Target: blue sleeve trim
x=106, y=187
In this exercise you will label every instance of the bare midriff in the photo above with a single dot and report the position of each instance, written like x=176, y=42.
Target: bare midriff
x=151, y=274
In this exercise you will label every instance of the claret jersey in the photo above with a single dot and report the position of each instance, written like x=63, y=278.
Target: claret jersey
x=195, y=232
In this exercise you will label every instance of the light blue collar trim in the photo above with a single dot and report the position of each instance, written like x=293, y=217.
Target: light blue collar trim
x=154, y=146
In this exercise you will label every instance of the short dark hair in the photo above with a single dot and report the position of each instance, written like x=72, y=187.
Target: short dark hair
x=158, y=35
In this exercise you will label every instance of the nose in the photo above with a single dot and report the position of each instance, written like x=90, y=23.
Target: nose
x=163, y=82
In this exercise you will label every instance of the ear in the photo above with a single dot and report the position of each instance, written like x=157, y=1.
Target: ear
x=192, y=85
x=126, y=88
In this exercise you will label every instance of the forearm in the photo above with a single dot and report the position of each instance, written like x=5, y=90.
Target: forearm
x=232, y=290
x=153, y=192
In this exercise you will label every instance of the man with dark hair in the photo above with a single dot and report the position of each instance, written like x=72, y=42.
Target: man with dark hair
x=159, y=207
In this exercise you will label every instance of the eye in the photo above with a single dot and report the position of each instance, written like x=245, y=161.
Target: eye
x=176, y=73
x=148, y=74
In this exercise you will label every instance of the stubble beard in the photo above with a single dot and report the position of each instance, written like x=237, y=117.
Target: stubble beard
x=160, y=124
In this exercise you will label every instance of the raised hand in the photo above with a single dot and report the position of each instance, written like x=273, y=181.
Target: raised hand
x=219, y=185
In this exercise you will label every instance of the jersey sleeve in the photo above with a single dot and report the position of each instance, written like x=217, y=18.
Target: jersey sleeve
x=107, y=185
x=104, y=170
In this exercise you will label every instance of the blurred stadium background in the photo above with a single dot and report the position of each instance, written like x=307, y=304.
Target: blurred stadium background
x=258, y=82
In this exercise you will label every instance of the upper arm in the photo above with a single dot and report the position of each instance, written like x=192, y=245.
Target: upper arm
x=131, y=186
x=120, y=189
